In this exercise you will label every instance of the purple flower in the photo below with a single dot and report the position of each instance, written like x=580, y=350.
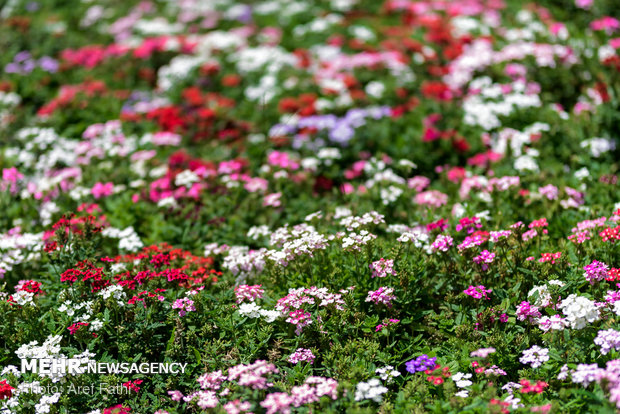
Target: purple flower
x=22, y=56
x=48, y=64
x=421, y=363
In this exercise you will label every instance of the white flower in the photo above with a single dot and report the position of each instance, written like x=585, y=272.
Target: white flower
x=250, y=310
x=186, y=178
x=370, y=390
x=525, y=163
x=579, y=311
x=462, y=380
x=256, y=232
x=541, y=295
x=167, y=202
x=23, y=298
x=599, y=146
x=375, y=89
x=387, y=373
x=270, y=315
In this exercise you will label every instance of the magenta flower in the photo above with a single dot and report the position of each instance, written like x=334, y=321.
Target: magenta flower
x=102, y=190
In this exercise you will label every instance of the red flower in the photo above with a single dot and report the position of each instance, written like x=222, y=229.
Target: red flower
x=436, y=90
x=76, y=326
x=133, y=385
x=231, y=81
x=6, y=391
x=117, y=409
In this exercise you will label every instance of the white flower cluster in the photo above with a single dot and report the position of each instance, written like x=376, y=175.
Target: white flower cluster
x=390, y=194
x=18, y=248
x=186, y=178
x=177, y=69
x=252, y=310
x=541, y=295
x=49, y=349
x=215, y=249
x=8, y=101
x=72, y=309
x=256, y=232
x=370, y=390
x=244, y=263
x=355, y=241
x=516, y=139
x=23, y=298
x=599, y=146
x=45, y=403
x=462, y=380
x=579, y=311
x=481, y=110
x=300, y=240
x=387, y=373
x=341, y=212
x=419, y=239
x=128, y=238
x=355, y=222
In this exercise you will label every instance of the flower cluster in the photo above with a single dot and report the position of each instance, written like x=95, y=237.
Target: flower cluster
x=184, y=305
x=383, y=295
x=382, y=268
x=535, y=356
x=301, y=355
x=477, y=292
x=421, y=363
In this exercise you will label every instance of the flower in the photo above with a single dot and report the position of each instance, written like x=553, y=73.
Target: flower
x=477, y=292
x=462, y=380
x=102, y=190
x=301, y=355
x=442, y=243
x=370, y=390
x=484, y=259
x=554, y=322
x=387, y=373
x=482, y=352
x=421, y=363
x=6, y=391
x=608, y=339
x=595, y=271
x=525, y=311
x=537, y=388
x=383, y=295
x=382, y=268
x=185, y=305
x=535, y=356
x=249, y=293
x=579, y=311
x=277, y=402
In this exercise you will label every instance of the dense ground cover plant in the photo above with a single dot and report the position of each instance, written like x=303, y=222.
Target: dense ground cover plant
x=316, y=206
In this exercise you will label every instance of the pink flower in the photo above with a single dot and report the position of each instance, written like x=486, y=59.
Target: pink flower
x=247, y=292
x=272, y=200
x=277, y=402
x=175, y=395
x=382, y=268
x=383, y=295
x=10, y=176
x=477, y=292
x=282, y=160
x=607, y=23
x=102, y=190
x=237, y=407
x=584, y=4
x=301, y=355
x=431, y=198
x=185, y=305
